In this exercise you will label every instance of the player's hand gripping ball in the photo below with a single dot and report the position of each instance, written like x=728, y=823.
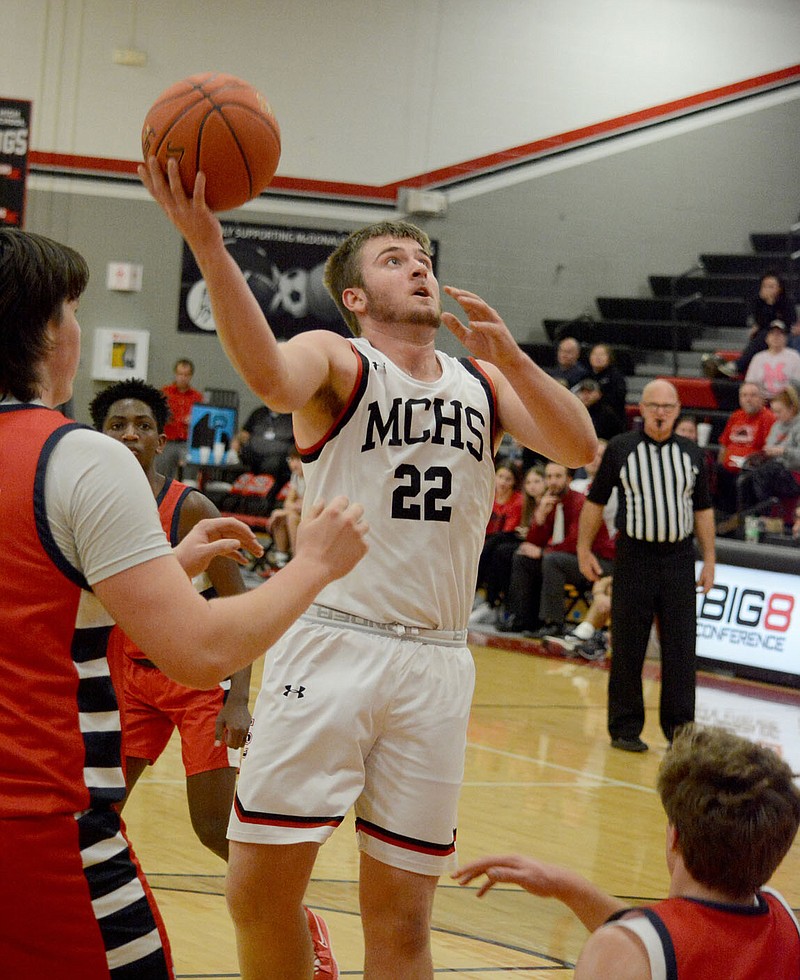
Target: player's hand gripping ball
x=218, y=124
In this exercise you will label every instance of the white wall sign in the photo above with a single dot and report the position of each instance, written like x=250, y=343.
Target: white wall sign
x=124, y=277
x=120, y=354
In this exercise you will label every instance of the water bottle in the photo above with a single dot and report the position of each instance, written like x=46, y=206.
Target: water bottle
x=752, y=528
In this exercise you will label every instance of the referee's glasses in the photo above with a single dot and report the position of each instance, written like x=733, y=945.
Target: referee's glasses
x=660, y=406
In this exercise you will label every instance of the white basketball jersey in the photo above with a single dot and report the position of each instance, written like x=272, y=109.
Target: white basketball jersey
x=419, y=456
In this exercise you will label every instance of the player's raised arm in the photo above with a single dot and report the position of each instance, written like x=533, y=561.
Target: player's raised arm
x=534, y=408
x=285, y=378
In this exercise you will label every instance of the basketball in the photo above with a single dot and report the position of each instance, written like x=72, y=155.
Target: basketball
x=221, y=125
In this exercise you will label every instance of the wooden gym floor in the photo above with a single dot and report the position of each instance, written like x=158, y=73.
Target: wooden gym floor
x=540, y=779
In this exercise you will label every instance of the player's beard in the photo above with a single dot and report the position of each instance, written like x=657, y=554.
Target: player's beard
x=386, y=313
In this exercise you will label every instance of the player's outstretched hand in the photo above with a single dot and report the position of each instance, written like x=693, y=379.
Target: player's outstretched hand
x=485, y=334
x=333, y=537
x=535, y=877
x=216, y=537
x=190, y=215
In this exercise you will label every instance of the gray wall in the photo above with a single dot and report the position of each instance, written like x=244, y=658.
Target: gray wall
x=545, y=247
x=548, y=247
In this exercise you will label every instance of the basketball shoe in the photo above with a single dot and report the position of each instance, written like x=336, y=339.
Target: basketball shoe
x=594, y=648
x=325, y=966
x=482, y=615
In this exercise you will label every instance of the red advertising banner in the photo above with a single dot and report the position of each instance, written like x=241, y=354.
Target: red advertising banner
x=15, y=127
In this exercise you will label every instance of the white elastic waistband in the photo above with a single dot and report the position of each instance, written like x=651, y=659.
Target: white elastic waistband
x=334, y=617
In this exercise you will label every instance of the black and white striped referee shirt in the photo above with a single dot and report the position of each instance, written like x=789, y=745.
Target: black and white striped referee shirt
x=661, y=485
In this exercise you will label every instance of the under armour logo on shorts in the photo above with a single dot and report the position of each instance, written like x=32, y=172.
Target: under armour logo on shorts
x=293, y=690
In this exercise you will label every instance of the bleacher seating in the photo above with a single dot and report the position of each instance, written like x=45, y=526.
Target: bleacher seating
x=710, y=286
x=709, y=311
x=633, y=334
x=753, y=263
x=545, y=357
x=665, y=334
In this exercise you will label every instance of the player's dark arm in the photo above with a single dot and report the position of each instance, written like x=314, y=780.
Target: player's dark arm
x=223, y=572
x=234, y=719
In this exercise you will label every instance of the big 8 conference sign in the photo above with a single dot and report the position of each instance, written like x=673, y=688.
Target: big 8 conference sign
x=749, y=617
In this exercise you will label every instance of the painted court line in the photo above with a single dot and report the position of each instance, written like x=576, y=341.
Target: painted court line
x=599, y=779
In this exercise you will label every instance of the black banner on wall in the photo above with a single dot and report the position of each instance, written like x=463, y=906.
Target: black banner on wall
x=15, y=125
x=283, y=267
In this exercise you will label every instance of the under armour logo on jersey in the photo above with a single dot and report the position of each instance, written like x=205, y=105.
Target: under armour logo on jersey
x=379, y=366
x=299, y=691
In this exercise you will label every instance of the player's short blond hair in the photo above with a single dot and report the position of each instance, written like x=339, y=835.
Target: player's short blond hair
x=343, y=268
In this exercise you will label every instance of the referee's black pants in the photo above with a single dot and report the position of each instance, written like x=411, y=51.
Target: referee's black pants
x=652, y=581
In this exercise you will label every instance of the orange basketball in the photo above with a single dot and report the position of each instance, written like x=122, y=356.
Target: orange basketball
x=218, y=124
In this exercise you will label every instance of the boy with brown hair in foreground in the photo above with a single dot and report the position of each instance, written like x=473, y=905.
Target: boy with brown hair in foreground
x=733, y=811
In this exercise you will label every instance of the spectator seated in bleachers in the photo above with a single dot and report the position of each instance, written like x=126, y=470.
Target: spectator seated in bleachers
x=686, y=426
x=605, y=420
x=501, y=529
x=554, y=528
x=613, y=386
x=777, y=366
x=745, y=433
x=569, y=369
x=285, y=518
x=497, y=570
x=590, y=637
x=772, y=302
x=264, y=443
x=561, y=568
x=771, y=473
x=582, y=481
x=263, y=446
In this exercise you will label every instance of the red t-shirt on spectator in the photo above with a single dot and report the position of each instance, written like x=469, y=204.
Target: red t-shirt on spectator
x=180, y=408
x=744, y=435
x=507, y=516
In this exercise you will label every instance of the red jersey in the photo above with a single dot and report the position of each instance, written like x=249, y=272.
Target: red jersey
x=170, y=500
x=180, y=408
x=688, y=939
x=59, y=723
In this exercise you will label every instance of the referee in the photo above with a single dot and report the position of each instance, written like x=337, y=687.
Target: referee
x=664, y=502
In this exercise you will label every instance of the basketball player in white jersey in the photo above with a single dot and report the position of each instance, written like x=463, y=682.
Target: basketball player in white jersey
x=366, y=702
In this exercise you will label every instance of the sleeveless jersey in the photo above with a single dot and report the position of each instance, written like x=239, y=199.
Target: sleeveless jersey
x=169, y=501
x=419, y=456
x=59, y=723
x=687, y=939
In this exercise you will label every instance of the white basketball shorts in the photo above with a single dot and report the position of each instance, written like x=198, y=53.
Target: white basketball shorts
x=350, y=716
